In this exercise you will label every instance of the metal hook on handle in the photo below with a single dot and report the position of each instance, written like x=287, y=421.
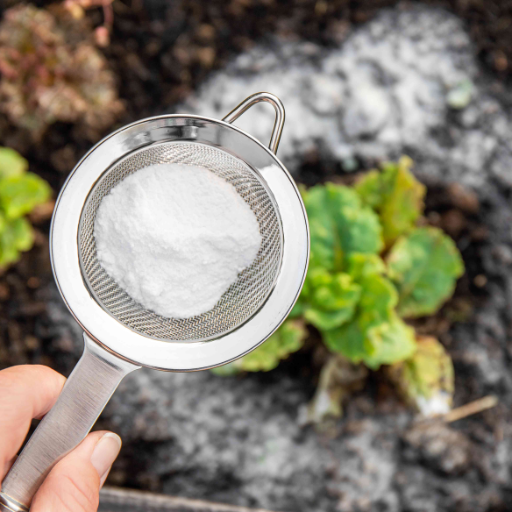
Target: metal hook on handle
x=278, y=107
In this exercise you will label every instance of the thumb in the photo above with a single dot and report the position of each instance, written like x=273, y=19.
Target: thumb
x=73, y=485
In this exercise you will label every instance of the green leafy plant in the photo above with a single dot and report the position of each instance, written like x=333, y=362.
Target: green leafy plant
x=51, y=71
x=372, y=267
x=20, y=193
x=287, y=339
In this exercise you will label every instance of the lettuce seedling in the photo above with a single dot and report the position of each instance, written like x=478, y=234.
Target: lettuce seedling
x=370, y=268
x=20, y=192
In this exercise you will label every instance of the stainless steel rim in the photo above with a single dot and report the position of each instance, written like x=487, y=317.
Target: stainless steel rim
x=179, y=356
x=238, y=304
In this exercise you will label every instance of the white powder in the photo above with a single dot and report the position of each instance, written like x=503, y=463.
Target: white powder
x=175, y=237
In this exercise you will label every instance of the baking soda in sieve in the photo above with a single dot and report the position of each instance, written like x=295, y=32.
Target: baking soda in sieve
x=175, y=237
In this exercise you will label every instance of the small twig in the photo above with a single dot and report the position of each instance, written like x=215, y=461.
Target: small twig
x=475, y=407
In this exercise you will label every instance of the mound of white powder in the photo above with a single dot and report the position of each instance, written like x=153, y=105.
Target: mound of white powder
x=175, y=237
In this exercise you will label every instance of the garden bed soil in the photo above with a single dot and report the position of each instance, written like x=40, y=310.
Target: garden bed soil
x=240, y=440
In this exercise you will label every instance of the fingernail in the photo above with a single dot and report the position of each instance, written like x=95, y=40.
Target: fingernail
x=105, y=453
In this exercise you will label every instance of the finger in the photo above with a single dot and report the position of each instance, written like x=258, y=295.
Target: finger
x=26, y=392
x=74, y=483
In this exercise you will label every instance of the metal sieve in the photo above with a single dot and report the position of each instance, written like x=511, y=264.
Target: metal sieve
x=120, y=334
x=243, y=298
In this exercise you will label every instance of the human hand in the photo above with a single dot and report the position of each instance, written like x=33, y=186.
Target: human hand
x=74, y=483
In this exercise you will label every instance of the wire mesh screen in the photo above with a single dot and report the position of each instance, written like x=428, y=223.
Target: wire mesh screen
x=243, y=298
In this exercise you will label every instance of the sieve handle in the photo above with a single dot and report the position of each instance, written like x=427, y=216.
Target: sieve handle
x=257, y=98
x=85, y=394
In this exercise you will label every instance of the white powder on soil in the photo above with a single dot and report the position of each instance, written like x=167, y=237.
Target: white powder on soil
x=175, y=237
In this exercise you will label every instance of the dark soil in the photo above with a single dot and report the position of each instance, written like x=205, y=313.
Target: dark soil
x=161, y=51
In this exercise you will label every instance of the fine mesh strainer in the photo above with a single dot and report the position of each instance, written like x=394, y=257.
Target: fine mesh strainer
x=120, y=334
x=242, y=299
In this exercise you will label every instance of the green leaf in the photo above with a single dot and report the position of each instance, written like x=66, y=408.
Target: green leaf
x=369, y=189
x=333, y=292
x=332, y=299
x=394, y=341
x=22, y=233
x=11, y=163
x=325, y=250
x=363, y=265
x=362, y=338
x=396, y=196
x=20, y=194
x=287, y=339
x=16, y=236
x=426, y=379
x=325, y=320
x=424, y=266
x=339, y=225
